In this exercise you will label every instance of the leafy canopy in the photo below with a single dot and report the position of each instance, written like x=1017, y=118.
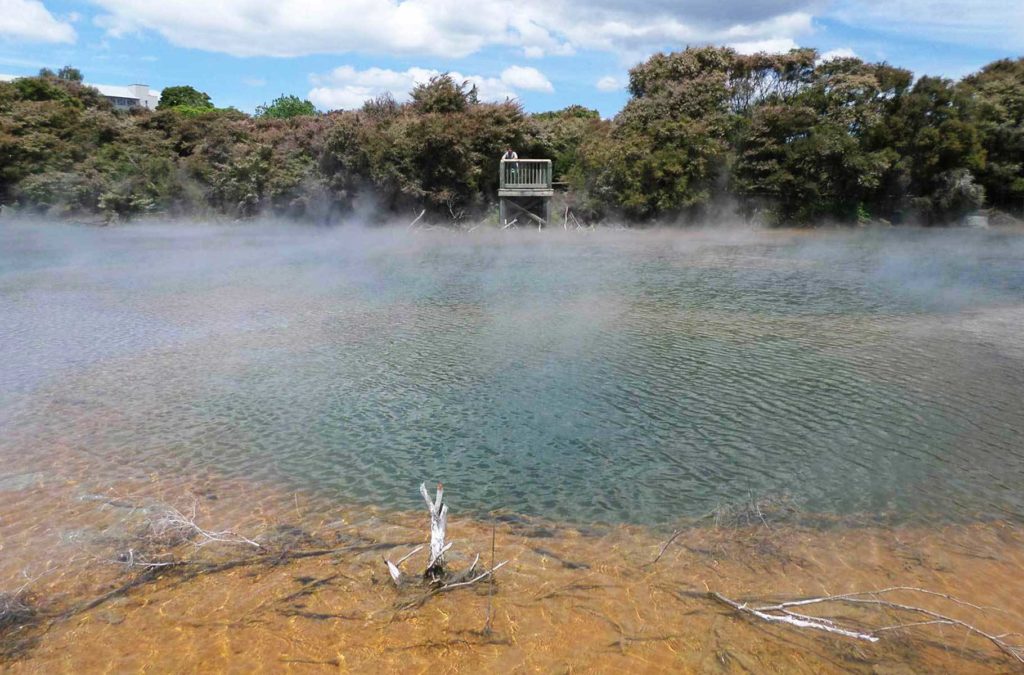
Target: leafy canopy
x=70, y=74
x=183, y=95
x=285, y=107
x=442, y=94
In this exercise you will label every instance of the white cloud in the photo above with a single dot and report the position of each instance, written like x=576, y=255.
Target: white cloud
x=488, y=88
x=254, y=81
x=536, y=28
x=30, y=20
x=298, y=27
x=446, y=28
x=530, y=79
x=346, y=87
x=609, y=83
x=980, y=23
x=840, y=53
x=771, y=46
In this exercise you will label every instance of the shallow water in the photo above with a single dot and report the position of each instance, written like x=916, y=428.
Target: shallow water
x=846, y=405
x=593, y=599
x=623, y=377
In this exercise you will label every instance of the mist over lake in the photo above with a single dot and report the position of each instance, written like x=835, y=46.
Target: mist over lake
x=633, y=377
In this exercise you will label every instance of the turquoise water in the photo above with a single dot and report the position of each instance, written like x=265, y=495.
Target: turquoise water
x=608, y=376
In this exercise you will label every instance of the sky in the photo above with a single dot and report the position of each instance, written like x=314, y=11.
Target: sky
x=546, y=53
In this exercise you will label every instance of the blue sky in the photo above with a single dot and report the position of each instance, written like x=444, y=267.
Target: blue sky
x=546, y=53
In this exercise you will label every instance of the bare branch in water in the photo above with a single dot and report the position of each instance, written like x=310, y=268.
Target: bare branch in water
x=416, y=220
x=393, y=568
x=664, y=547
x=800, y=621
x=781, y=613
x=174, y=522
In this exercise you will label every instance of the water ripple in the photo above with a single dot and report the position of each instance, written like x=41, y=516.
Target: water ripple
x=635, y=377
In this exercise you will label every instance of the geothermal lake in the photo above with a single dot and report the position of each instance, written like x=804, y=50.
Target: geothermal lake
x=620, y=377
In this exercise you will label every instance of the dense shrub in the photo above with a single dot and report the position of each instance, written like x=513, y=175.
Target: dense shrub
x=787, y=139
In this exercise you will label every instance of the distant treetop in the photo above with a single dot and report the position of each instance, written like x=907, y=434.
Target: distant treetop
x=285, y=107
x=70, y=73
x=184, y=95
x=442, y=94
x=573, y=111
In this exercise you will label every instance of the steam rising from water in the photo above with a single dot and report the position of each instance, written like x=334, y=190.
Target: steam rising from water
x=633, y=376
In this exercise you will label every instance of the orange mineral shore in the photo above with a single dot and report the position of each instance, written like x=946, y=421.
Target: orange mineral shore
x=571, y=598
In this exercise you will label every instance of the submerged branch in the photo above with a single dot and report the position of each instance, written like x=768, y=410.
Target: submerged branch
x=781, y=613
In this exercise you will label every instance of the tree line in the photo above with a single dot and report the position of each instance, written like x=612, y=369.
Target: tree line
x=782, y=139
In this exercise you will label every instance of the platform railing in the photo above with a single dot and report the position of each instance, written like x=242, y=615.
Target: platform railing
x=525, y=174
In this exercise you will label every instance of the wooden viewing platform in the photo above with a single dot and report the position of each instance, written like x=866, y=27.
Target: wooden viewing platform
x=525, y=191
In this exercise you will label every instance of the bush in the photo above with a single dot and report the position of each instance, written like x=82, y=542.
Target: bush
x=285, y=107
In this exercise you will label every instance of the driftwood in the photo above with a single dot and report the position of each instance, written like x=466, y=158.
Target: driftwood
x=437, y=575
x=438, y=528
x=416, y=220
x=579, y=225
x=174, y=522
x=784, y=613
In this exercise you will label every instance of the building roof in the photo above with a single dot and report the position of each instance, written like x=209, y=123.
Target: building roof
x=120, y=91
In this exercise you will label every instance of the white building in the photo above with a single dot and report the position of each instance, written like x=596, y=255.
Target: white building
x=132, y=96
x=122, y=98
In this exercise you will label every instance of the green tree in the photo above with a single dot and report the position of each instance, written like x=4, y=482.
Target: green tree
x=933, y=131
x=285, y=107
x=798, y=167
x=442, y=94
x=809, y=148
x=184, y=95
x=383, y=107
x=561, y=134
x=70, y=74
x=668, y=149
x=997, y=92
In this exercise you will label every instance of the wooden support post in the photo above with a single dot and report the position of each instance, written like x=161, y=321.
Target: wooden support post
x=502, y=212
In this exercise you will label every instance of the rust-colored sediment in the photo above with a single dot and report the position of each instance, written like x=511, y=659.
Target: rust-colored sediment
x=569, y=599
